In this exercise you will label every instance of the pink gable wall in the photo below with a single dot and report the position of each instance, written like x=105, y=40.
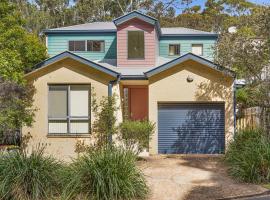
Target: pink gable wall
x=149, y=43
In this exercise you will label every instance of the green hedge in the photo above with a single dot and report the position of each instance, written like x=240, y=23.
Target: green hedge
x=248, y=156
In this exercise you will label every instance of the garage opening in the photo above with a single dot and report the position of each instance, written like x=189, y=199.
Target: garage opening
x=191, y=128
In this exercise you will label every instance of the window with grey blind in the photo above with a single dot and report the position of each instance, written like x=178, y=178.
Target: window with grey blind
x=174, y=49
x=76, y=45
x=69, y=109
x=95, y=45
x=135, y=45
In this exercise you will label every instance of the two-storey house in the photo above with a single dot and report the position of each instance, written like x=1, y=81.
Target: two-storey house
x=166, y=75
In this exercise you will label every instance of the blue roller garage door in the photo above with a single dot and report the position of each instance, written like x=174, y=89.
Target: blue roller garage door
x=191, y=128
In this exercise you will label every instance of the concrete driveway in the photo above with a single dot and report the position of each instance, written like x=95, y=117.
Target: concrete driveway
x=192, y=178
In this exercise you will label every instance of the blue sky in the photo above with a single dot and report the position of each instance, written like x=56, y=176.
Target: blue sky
x=202, y=2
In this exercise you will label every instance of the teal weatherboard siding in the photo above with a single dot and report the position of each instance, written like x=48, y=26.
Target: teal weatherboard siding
x=186, y=42
x=59, y=43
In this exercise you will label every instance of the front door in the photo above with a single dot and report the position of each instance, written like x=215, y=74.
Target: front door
x=138, y=102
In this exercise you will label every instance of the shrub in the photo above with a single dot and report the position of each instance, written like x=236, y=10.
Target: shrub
x=105, y=174
x=135, y=135
x=248, y=156
x=104, y=125
x=32, y=177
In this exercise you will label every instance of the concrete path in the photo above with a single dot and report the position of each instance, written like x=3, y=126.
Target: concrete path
x=192, y=178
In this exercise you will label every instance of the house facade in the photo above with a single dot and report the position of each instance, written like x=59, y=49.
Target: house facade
x=165, y=75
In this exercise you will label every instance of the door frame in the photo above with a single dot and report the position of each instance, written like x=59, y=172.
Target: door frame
x=130, y=87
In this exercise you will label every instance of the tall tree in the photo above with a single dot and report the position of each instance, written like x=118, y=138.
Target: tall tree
x=248, y=53
x=19, y=51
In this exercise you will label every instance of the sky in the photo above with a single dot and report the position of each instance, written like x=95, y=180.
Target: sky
x=202, y=2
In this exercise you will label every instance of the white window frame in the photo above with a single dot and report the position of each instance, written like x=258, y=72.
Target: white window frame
x=69, y=118
x=198, y=44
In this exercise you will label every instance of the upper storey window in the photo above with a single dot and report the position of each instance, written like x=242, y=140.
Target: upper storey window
x=135, y=45
x=89, y=45
x=76, y=45
x=197, y=49
x=94, y=45
x=174, y=49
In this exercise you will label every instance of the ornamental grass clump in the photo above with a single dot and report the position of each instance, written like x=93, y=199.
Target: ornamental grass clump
x=106, y=174
x=248, y=156
x=28, y=177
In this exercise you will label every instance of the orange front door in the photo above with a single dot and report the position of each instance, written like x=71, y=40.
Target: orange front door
x=138, y=103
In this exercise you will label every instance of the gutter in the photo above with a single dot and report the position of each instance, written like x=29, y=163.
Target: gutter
x=134, y=77
x=46, y=32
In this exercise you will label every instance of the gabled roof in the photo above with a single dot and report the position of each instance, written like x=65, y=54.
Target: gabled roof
x=139, y=15
x=188, y=56
x=110, y=27
x=67, y=54
x=134, y=14
x=128, y=72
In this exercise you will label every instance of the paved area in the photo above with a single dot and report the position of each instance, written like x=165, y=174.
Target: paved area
x=257, y=198
x=192, y=178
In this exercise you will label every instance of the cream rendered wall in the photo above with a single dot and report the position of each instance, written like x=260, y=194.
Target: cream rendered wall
x=65, y=72
x=208, y=85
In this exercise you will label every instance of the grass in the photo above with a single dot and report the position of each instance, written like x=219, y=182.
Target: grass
x=267, y=186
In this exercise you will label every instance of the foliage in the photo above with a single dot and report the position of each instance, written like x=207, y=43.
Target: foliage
x=104, y=125
x=32, y=177
x=19, y=51
x=135, y=135
x=105, y=174
x=248, y=156
x=15, y=100
x=248, y=53
x=214, y=15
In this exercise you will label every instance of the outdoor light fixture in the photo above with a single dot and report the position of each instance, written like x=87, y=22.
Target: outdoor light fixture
x=189, y=79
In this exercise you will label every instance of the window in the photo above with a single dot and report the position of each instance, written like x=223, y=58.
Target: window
x=174, y=49
x=76, y=45
x=69, y=109
x=197, y=49
x=93, y=45
x=135, y=44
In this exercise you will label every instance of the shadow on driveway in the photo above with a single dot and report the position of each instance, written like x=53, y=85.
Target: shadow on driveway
x=192, y=178
x=219, y=185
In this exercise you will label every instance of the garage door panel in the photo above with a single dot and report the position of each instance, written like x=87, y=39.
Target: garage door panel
x=191, y=128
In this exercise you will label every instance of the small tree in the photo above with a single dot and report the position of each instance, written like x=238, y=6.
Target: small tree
x=104, y=126
x=15, y=109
